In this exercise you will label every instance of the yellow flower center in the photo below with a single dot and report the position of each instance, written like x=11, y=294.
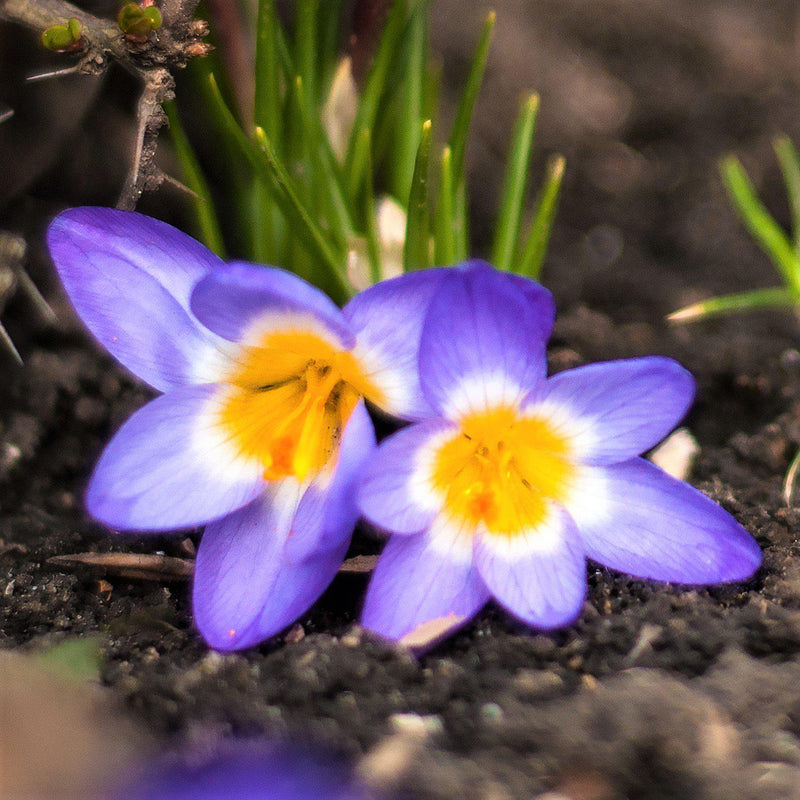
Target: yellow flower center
x=502, y=469
x=291, y=397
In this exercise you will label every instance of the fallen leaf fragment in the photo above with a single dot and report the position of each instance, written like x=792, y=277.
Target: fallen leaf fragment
x=676, y=454
x=358, y=564
x=137, y=566
x=341, y=106
x=432, y=630
x=152, y=567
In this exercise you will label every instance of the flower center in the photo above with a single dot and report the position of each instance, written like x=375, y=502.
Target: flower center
x=290, y=399
x=502, y=470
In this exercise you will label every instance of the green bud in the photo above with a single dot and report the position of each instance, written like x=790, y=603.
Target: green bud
x=137, y=22
x=60, y=38
x=154, y=16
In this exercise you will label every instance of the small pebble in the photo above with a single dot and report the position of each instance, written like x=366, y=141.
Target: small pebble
x=295, y=634
x=492, y=713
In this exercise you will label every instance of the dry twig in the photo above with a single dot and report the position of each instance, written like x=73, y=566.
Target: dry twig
x=136, y=566
x=152, y=567
x=152, y=62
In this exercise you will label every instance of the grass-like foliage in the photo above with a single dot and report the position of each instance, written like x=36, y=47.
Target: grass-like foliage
x=782, y=250
x=346, y=184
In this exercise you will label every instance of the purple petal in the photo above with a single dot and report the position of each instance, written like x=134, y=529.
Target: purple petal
x=387, y=320
x=170, y=466
x=539, y=298
x=129, y=278
x=539, y=575
x=232, y=300
x=483, y=342
x=246, y=589
x=634, y=518
x=616, y=410
x=393, y=494
x=417, y=582
x=262, y=567
x=249, y=771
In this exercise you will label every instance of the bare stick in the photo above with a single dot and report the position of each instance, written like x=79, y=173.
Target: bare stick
x=151, y=567
x=151, y=61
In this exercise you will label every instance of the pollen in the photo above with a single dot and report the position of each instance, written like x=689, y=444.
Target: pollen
x=289, y=400
x=502, y=469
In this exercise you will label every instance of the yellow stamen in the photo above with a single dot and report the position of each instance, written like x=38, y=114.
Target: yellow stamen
x=502, y=469
x=290, y=399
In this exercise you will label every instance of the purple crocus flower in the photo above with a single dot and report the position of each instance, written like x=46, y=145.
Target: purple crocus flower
x=517, y=479
x=262, y=428
x=279, y=772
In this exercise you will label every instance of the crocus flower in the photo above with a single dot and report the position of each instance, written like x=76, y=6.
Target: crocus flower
x=517, y=479
x=262, y=428
x=250, y=772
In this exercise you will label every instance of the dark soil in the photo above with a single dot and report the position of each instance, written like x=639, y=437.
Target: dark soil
x=657, y=692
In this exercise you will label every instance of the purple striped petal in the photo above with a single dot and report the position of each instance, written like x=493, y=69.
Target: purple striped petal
x=238, y=299
x=393, y=494
x=483, y=342
x=249, y=771
x=129, y=277
x=616, y=410
x=634, y=518
x=540, y=299
x=170, y=466
x=417, y=582
x=539, y=575
x=246, y=589
x=260, y=568
x=387, y=320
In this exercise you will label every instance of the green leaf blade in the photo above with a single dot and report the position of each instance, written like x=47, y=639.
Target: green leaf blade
x=267, y=106
x=416, y=253
x=375, y=85
x=515, y=184
x=445, y=245
x=759, y=222
x=532, y=257
x=265, y=161
x=754, y=300
x=306, y=48
x=324, y=183
x=458, y=138
x=371, y=216
x=194, y=178
x=411, y=102
x=790, y=168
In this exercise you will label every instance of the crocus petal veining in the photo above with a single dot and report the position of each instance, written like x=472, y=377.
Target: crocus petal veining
x=263, y=419
x=515, y=479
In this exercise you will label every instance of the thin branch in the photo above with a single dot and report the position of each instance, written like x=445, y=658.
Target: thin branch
x=152, y=62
